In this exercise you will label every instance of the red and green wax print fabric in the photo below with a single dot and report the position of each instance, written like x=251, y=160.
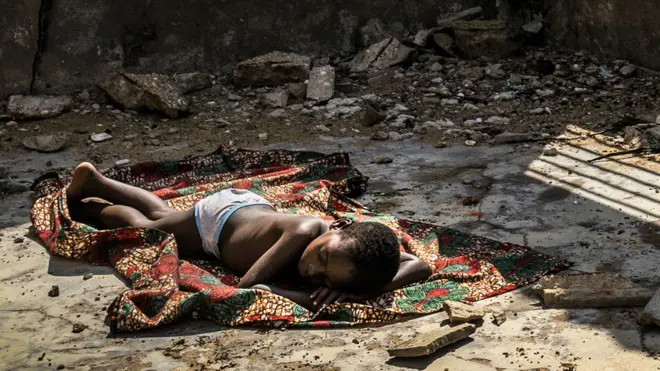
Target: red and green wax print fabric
x=165, y=289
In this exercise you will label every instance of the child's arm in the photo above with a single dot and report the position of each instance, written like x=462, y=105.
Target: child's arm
x=299, y=297
x=411, y=269
x=278, y=258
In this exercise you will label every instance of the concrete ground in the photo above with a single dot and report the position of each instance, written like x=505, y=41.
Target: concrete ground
x=600, y=216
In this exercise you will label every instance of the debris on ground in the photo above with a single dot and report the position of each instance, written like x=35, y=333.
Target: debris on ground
x=78, y=328
x=273, y=69
x=278, y=99
x=88, y=276
x=37, y=107
x=592, y=291
x=372, y=116
x=193, y=81
x=485, y=38
x=499, y=316
x=321, y=86
x=429, y=342
x=461, y=312
x=100, y=137
x=54, y=291
x=372, y=32
x=385, y=54
x=153, y=92
x=651, y=314
x=47, y=143
x=384, y=160
x=550, y=152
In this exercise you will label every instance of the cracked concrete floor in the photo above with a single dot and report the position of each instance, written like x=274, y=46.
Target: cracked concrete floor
x=601, y=216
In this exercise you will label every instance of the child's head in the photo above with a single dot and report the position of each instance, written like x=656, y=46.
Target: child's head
x=360, y=257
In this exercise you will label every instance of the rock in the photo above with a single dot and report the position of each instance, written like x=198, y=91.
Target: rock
x=449, y=102
x=540, y=111
x=651, y=314
x=533, y=27
x=545, y=92
x=444, y=42
x=467, y=180
x=470, y=73
x=84, y=96
x=436, y=67
x=491, y=38
x=9, y=186
x=422, y=38
x=101, y=137
x=499, y=317
x=504, y=96
x=591, y=69
x=263, y=136
x=193, y=81
x=371, y=116
x=277, y=99
x=515, y=79
x=11, y=123
x=276, y=68
x=374, y=31
x=495, y=72
x=387, y=53
x=628, y=70
x=470, y=143
x=47, y=143
x=506, y=137
x=592, y=81
x=429, y=342
x=297, y=90
x=441, y=144
x=322, y=128
x=37, y=106
x=321, y=86
x=122, y=162
x=54, y=291
x=150, y=91
x=460, y=312
x=384, y=160
x=470, y=107
x=88, y=276
x=380, y=135
x=467, y=14
x=78, y=328
x=591, y=291
x=497, y=120
x=550, y=152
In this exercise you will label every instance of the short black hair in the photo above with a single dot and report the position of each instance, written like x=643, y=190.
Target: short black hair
x=375, y=254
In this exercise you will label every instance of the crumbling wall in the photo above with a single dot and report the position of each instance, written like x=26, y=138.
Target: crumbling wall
x=625, y=29
x=79, y=38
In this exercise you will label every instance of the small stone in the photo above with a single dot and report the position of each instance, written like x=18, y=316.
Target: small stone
x=122, y=162
x=495, y=72
x=11, y=123
x=47, y=143
x=470, y=143
x=497, y=120
x=471, y=107
x=533, y=27
x=263, y=137
x=84, y=95
x=467, y=180
x=54, y=291
x=61, y=367
x=193, y=81
x=384, y=160
x=545, y=92
x=429, y=342
x=297, y=90
x=449, y=102
x=515, y=79
x=505, y=96
x=537, y=111
x=591, y=70
x=444, y=42
x=96, y=106
x=460, y=312
x=380, y=135
x=441, y=144
x=382, y=55
x=19, y=240
x=592, y=81
x=37, y=107
x=651, y=314
x=321, y=86
x=499, y=317
x=470, y=73
x=277, y=99
x=371, y=116
x=277, y=113
x=100, y=137
x=231, y=97
x=78, y=328
x=550, y=152
x=374, y=31
x=322, y=128
x=628, y=70
x=436, y=67
x=88, y=276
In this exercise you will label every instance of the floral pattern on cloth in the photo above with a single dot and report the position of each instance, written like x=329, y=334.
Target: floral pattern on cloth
x=165, y=289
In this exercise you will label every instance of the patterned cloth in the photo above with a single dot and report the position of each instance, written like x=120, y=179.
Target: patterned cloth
x=164, y=289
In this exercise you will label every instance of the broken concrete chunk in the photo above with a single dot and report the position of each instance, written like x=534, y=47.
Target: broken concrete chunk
x=277, y=99
x=445, y=42
x=423, y=36
x=467, y=14
x=429, y=342
x=499, y=316
x=373, y=31
x=37, y=107
x=297, y=90
x=276, y=68
x=382, y=55
x=47, y=143
x=153, y=92
x=628, y=70
x=460, y=312
x=493, y=39
x=321, y=86
x=193, y=81
x=533, y=27
x=372, y=116
x=651, y=314
x=591, y=291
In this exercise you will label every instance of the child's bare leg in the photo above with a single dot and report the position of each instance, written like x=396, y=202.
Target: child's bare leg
x=88, y=182
x=179, y=223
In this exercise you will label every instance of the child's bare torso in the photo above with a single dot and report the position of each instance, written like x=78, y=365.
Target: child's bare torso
x=252, y=231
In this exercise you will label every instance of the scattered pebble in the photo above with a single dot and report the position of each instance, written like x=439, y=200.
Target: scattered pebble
x=122, y=162
x=550, y=152
x=54, y=291
x=88, y=276
x=12, y=123
x=101, y=137
x=384, y=160
x=467, y=180
x=78, y=328
x=19, y=240
x=263, y=136
x=380, y=135
x=470, y=143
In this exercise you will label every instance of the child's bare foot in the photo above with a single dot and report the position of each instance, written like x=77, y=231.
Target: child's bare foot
x=83, y=175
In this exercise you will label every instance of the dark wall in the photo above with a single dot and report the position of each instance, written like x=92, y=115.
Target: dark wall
x=19, y=22
x=80, y=37
x=625, y=29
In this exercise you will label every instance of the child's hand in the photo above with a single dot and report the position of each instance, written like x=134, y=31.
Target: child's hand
x=326, y=296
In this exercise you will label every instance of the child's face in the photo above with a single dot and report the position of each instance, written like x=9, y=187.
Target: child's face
x=325, y=263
